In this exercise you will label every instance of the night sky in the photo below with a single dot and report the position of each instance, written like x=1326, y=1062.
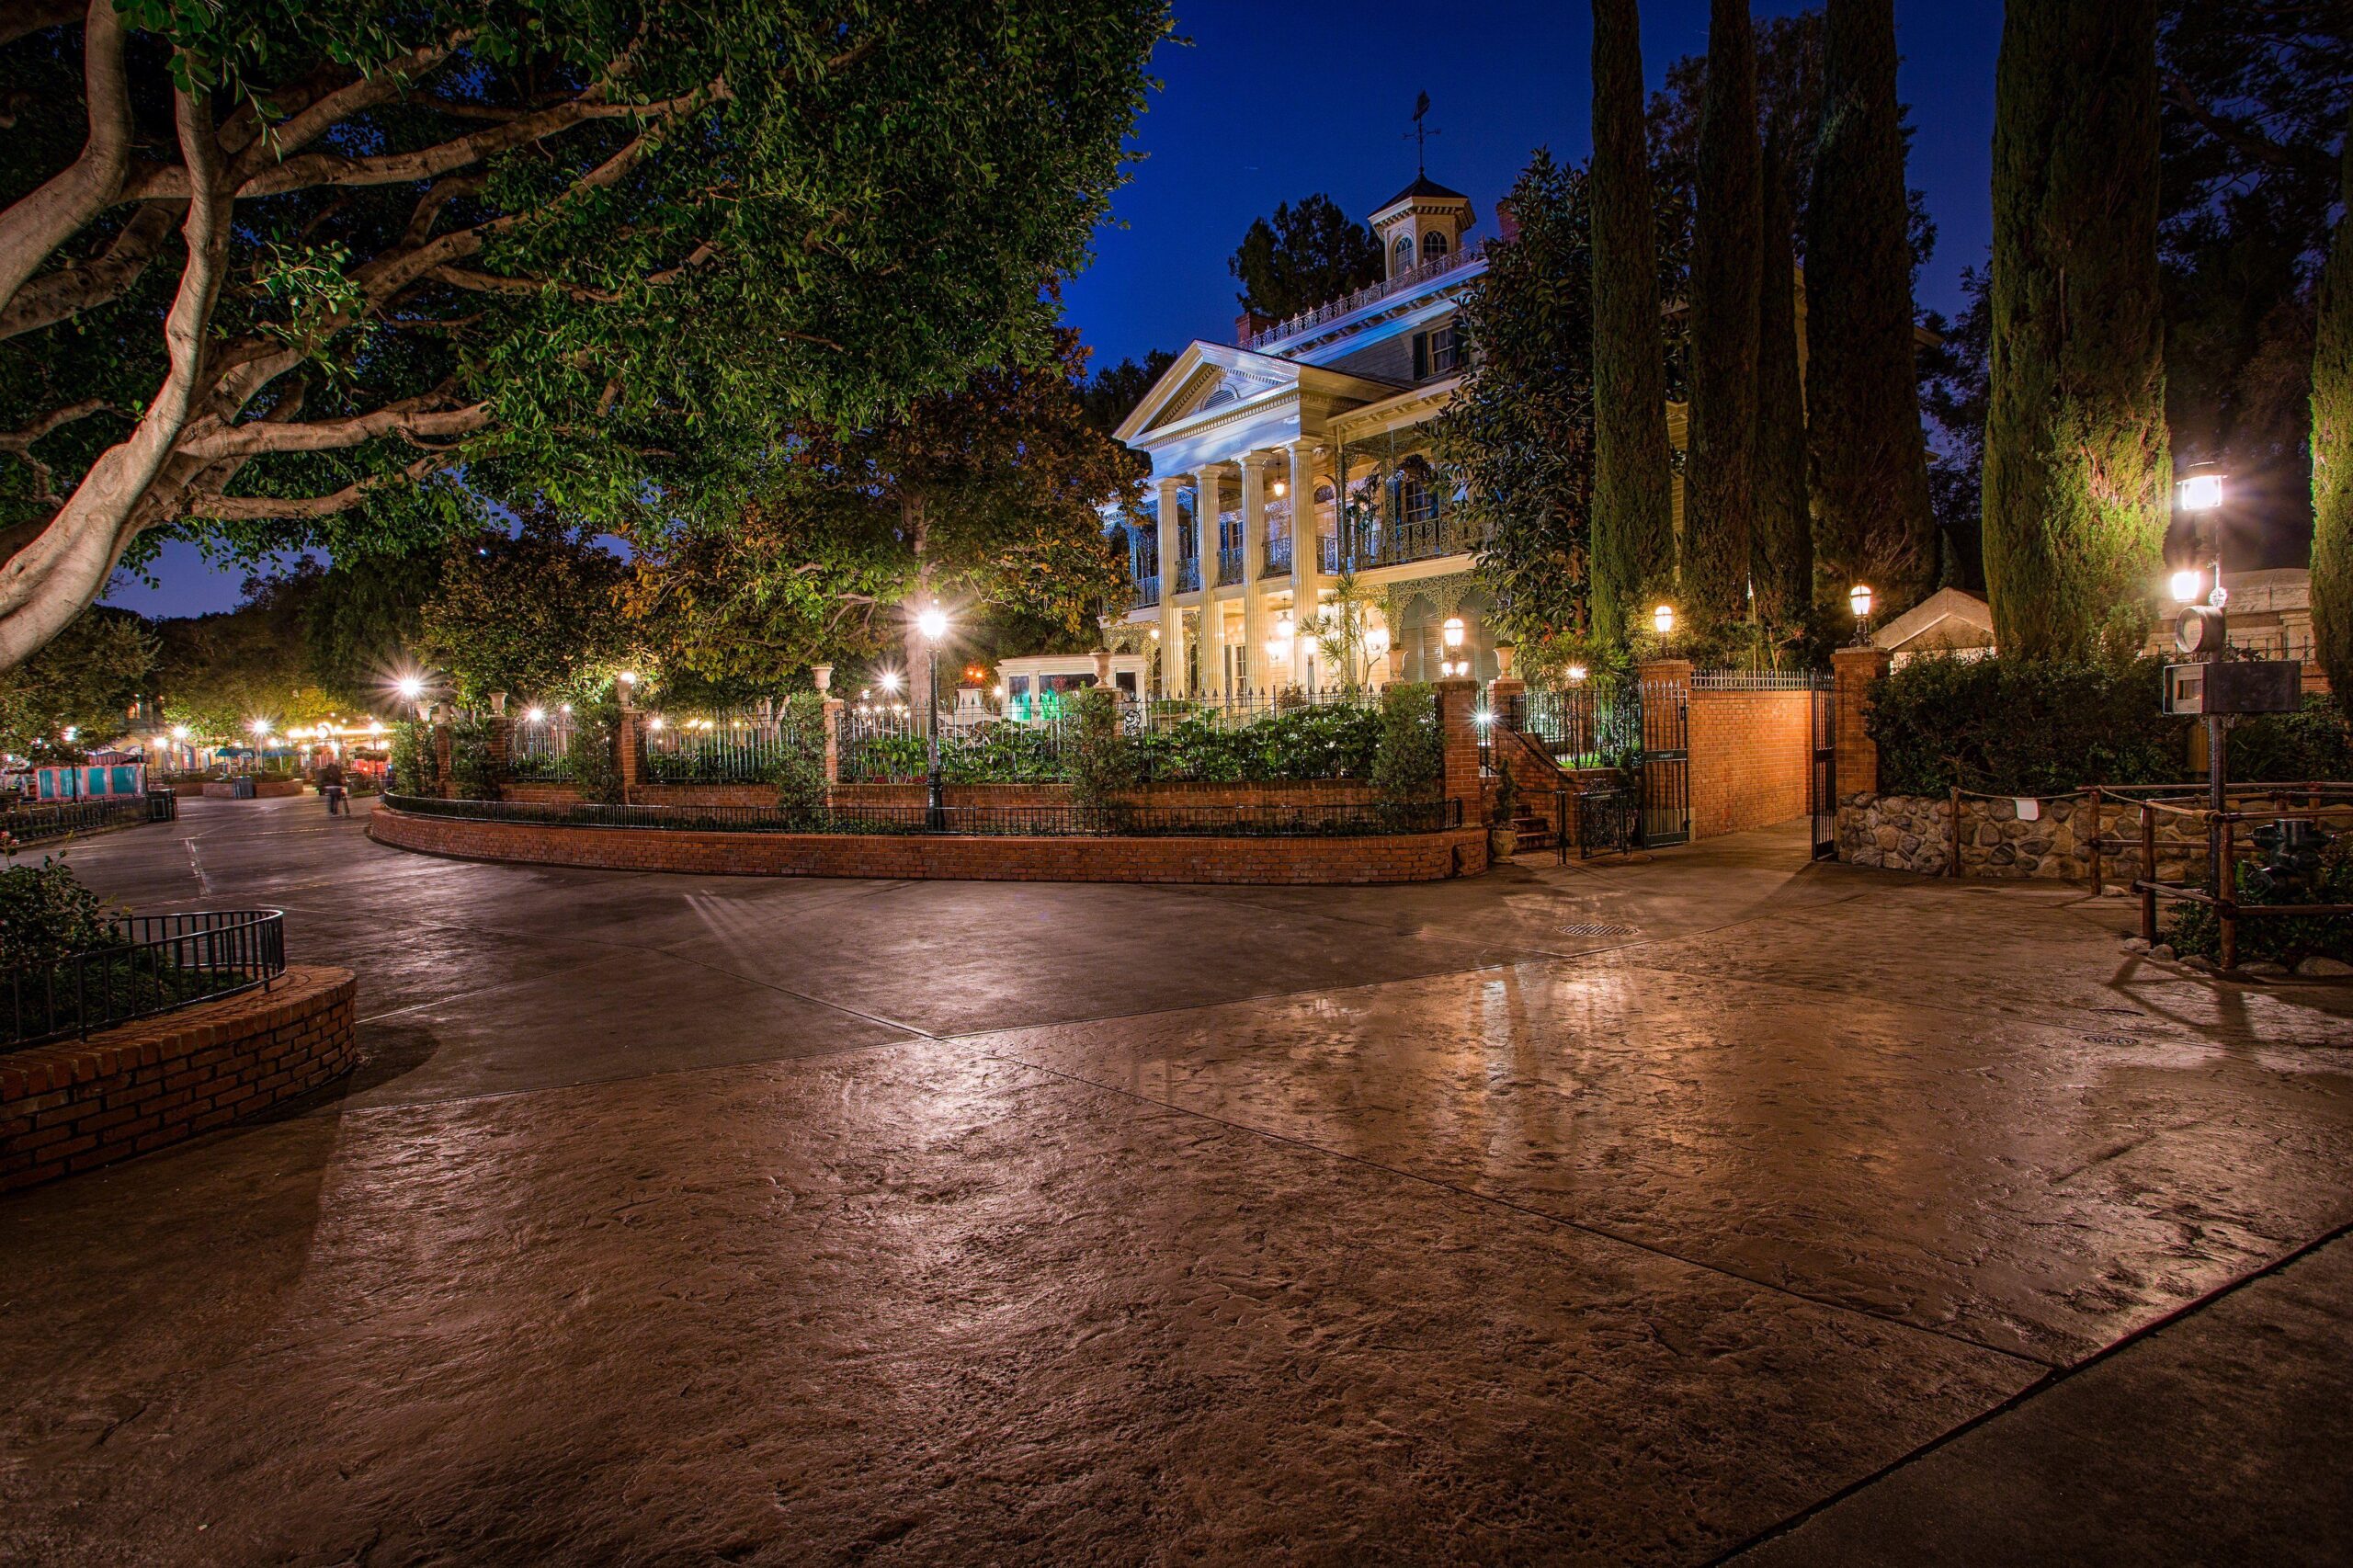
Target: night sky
x=1276, y=100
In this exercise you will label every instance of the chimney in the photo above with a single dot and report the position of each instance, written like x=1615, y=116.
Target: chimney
x=1507, y=222
x=1249, y=324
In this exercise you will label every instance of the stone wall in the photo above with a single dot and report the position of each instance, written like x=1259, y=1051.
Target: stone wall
x=82, y=1103
x=1911, y=832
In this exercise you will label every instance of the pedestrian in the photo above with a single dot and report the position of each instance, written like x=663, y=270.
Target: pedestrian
x=330, y=781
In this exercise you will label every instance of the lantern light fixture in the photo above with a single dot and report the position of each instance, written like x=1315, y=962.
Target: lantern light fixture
x=655, y=722
x=2188, y=585
x=1452, y=631
x=179, y=732
x=2201, y=488
x=1858, y=599
x=890, y=680
x=410, y=687
x=535, y=716
x=932, y=623
x=1662, y=619
x=1576, y=673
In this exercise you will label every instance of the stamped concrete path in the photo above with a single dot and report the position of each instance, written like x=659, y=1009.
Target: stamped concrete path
x=1722, y=1205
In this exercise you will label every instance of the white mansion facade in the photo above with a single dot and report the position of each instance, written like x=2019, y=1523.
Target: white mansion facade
x=1254, y=447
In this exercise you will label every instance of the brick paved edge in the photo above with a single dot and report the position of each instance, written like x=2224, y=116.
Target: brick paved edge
x=1397, y=858
x=82, y=1103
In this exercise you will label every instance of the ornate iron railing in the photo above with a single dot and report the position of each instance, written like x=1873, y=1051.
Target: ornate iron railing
x=158, y=962
x=1371, y=294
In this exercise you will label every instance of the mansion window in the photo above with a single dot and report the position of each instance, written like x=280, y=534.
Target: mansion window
x=1404, y=255
x=1433, y=244
x=1437, y=352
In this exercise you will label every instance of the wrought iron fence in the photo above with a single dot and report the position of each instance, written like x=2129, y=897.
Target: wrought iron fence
x=1592, y=724
x=159, y=962
x=1756, y=680
x=538, y=751
x=39, y=825
x=1334, y=821
x=880, y=743
x=730, y=748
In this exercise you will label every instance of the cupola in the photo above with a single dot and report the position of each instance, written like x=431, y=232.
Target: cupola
x=1421, y=223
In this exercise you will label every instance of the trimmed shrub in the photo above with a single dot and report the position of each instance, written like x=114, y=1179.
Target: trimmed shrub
x=1103, y=757
x=412, y=758
x=2315, y=742
x=2022, y=726
x=46, y=913
x=595, y=771
x=472, y=773
x=1410, y=757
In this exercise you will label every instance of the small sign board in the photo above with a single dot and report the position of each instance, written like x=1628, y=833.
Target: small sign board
x=2235, y=686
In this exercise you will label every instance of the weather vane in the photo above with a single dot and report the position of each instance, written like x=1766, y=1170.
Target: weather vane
x=1421, y=133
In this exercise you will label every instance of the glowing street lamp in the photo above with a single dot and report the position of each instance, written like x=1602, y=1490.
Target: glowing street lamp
x=410, y=687
x=2188, y=585
x=890, y=680
x=535, y=716
x=1452, y=632
x=179, y=732
x=2201, y=488
x=1577, y=673
x=932, y=625
x=1662, y=619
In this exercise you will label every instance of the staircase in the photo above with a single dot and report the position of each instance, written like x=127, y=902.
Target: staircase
x=1537, y=778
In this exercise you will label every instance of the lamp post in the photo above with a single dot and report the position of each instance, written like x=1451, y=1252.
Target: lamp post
x=932, y=625
x=2200, y=490
x=1663, y=621
x=1858, y=599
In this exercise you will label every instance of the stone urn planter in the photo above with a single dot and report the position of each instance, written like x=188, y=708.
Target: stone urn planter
x=1502, y=842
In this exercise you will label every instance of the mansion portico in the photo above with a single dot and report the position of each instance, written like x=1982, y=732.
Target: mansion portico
x=1300, y=455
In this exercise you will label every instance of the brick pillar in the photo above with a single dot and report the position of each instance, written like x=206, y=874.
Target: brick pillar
x=1858, y=757
x=1456, y=698
x=835, y=708
x=629, y=742
x=498, y=738
x=440, y=789
x=1503, y=694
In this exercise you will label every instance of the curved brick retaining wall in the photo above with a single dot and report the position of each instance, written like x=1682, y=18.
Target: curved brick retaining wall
x=141, y=1086
x=1400, y=858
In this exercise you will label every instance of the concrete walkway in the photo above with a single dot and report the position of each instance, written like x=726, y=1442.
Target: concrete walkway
x=1659, y=1212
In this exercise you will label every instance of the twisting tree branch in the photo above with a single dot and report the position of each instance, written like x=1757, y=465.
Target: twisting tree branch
x=33, y=227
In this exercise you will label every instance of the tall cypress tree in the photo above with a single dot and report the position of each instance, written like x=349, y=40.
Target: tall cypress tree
x=1720, y=498
x=1634, y=524
x=1870, y=459
x=2077, y=470
x=2333, y=452
x=1782, y=558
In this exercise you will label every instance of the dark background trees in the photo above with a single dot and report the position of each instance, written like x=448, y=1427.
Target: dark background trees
x=1303, y=256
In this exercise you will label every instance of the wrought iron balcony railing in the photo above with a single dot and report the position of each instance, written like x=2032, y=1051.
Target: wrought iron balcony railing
x=1188, y=576
x=1279, y=556
x=1148, y=590
x=1229, y=564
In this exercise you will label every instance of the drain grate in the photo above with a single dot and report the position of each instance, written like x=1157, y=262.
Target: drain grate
x=1592, y=928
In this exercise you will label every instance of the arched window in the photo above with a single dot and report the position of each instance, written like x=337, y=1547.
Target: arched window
x=1433, y=246
x=1402, y=255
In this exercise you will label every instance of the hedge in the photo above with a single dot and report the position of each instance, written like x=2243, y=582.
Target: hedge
x=2044, y=727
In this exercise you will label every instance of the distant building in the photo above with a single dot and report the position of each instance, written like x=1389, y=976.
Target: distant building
x=1255, y=446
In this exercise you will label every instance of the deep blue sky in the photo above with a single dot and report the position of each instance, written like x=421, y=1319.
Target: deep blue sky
x=1280, y=99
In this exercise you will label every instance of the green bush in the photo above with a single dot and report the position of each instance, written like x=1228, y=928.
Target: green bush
x=800, y=773
x=46, y=913
x=1332, y=741
x=412, y=758
x=595, y=772
x=2197, y=931
x=2022, y=726
x=2314, y=742
x=1409, y=758
x=474, y=775
x=1103, y=756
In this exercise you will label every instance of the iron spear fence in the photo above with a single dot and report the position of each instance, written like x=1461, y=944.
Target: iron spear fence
x=156, y=963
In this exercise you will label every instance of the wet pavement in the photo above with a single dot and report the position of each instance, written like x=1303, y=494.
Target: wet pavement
x=1658, y=1212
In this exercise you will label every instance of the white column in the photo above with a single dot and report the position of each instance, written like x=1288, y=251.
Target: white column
x=1171, y=625
x=1209, y=488
x=1254, y=566
x=1306, y=559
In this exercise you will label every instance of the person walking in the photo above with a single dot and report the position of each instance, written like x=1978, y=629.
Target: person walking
x=329, y=776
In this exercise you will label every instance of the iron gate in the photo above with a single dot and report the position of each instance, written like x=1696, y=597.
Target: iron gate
x=1666, y=760
x=1822, y=777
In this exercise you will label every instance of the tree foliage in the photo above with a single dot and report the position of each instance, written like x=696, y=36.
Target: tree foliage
x=273, y=273
x=1781, y=546
x=1519, y=431
x=2332, y=418
x=1115, y=390
x=86, y=680
x=1302, y=258
x=1633, y=532
x=531, y=614
x=2252, y=95
x=1868, y=458
x=986, y=495
x=2076, y=466
x=1720, y=480
x=218, y=673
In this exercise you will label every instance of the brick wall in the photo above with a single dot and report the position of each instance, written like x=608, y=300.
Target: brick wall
x=1318, y=792
x=78, y=1104
x=1400, y=858
x=1752, y=758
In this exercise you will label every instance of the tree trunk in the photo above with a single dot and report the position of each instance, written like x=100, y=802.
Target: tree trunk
x=2333, y=453
x=34, y=226
x=1720, y=495
x=1633, y=527
x=44, y=586
x=1869, y=457
x=2077, y=467
x=916, y=521
x=1782, y=556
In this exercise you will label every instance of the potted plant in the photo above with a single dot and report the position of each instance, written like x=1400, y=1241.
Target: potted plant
x=1503, y=838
